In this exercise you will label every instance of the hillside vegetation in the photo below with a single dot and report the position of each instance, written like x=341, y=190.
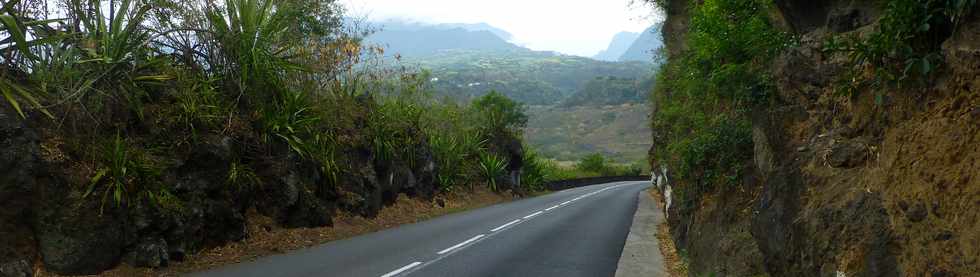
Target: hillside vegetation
x=533, y=78
x=572, y=133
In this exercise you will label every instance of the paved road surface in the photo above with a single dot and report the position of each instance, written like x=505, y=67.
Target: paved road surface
x=576, y=232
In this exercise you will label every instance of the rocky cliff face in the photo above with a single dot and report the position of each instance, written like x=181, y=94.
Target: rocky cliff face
x=849, y=185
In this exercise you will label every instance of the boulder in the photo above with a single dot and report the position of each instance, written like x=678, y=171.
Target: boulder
x=150, y=253
x=18, y=268
x=290, y=196
x=360, y=189
x=962, y=49
x=847, y=154
x=425, y=174
x=18, y=163
x=75, y=238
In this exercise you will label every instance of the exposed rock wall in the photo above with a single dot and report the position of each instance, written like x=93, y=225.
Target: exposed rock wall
x=843, y=185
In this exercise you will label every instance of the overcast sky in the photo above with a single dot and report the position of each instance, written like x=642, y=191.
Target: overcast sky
x=577, y=27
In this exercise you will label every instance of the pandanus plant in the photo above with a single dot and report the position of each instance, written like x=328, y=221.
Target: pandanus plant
x=16, y=29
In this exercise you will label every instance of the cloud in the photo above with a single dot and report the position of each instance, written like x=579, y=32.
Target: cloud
x=577, y=27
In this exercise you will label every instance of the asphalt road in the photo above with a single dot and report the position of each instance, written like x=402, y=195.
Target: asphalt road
x=576, y=232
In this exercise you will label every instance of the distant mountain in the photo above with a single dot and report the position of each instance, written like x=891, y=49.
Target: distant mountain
x=644, y=46
x=619, y=44
x=415, y=39
x=469, y=60
x=474, y=27
x=531, y=77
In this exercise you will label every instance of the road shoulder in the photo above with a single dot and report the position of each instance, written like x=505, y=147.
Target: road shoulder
x=641, y=255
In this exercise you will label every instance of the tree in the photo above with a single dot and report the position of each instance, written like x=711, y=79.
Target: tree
x=500, y=114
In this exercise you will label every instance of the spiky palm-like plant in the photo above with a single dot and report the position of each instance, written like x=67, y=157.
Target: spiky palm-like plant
x=492, y=167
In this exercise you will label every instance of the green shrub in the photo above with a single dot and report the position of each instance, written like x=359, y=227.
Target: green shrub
x=594, y=162
x=905, y=47
x=534, y=172
x=125, y=173
x=500, y=114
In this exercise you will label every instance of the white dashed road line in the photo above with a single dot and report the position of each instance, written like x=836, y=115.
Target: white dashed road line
x=402, y=269
x=501, y=227
x=505, y=225
x=533, y=215
x=461, y=244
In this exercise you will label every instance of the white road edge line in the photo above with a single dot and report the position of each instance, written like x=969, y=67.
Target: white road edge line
x=533, y=215
x=552, y=208
x=566, y=203
x=505, y=225
x=402, y=269
x=444, y=251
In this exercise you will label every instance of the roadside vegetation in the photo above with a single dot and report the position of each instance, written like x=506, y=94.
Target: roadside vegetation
x=703, y=97
x=133, y=81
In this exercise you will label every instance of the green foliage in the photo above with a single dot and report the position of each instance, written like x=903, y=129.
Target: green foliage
x=599, y=165
x=452, y=152
x=199, y=106
x=594, y=162
x=492, y=168
x=292, y=121
x=717, y=154
x=611, y=91
x=13, y=26
x=904, y=49
x=535, y=171
x=241, y=176
x=124, y=174
x=252, y=35
x=500, y=114
x=703, y=96
x=731, y=42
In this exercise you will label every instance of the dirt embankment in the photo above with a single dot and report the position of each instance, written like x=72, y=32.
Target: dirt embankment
x=849, y=185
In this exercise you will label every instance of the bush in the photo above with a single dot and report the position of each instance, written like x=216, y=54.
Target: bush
x=500, y=114
x=594, y=162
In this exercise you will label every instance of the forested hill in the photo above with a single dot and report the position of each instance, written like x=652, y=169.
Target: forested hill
x=531, y=77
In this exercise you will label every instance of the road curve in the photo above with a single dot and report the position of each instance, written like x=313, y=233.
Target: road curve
x=576, y=232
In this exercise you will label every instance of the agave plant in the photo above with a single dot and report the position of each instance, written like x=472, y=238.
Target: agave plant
x=492, y=167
